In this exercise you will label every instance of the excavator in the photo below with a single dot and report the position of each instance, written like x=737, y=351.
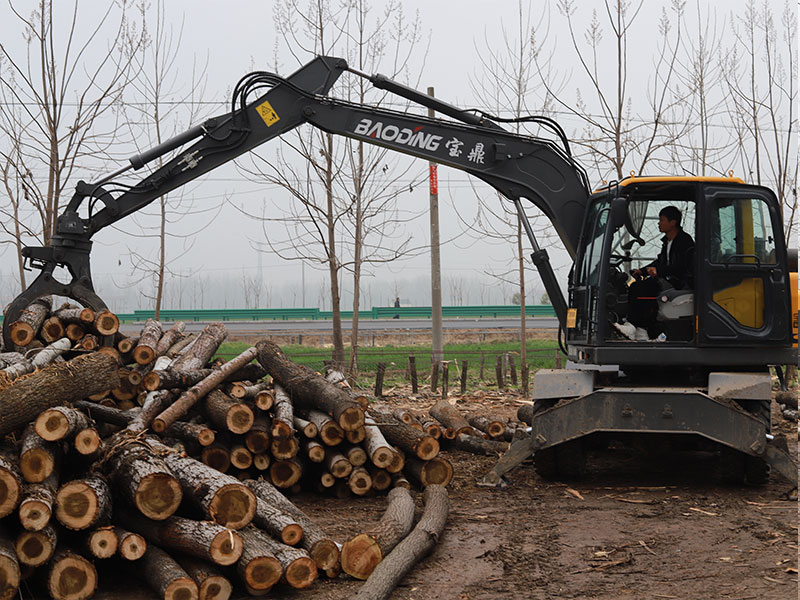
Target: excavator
x=704, y=381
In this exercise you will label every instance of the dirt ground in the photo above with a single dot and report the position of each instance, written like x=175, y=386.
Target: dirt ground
x=633, y=529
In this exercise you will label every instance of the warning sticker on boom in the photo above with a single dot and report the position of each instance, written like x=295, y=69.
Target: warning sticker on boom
x=267, y=113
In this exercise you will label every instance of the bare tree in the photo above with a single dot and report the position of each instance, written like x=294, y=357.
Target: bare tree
x=56, y=94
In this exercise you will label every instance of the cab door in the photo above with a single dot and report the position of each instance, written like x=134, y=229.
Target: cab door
x=742, y=290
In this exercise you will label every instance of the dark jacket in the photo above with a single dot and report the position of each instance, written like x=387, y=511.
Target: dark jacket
x=678, y=267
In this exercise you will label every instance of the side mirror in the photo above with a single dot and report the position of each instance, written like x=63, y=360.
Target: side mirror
x=620, y=217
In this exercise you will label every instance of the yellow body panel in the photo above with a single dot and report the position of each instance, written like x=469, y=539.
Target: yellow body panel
x=745, y=302
x=667, y=179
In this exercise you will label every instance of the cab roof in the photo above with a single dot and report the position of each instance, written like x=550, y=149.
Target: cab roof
x=671, y=179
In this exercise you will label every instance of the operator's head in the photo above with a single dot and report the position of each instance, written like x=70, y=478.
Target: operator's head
x=669, y=218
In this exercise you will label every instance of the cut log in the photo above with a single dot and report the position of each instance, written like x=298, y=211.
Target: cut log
x=83, y=503
x=286, y=473
x=359, y=481
x=378, y=449
x=9, y=569
x=258, y=438
x=322, y=549
x=284, y=448
x=217, y=456
x=431, y=426
x=337, y=464
x=55, y=385
x=326, y=480
x=105, y=414
x=437, y=471
x=10, y=482
x=102, y=542
x=225, y=413
x=170, y=379
x=165, y=576
x=201, y=389
x=60, y=422
x=339, y=378
x=313, y=450
x=36, y=506
x=106, y=323
x=74, y=332
x=478, y=445
x=299, y=570
x=35, y=548
x=330, y=432
x=494, y=427
x=381, y=478
x=202, y=349
x=309, y=389
x=82, y=316
x=222, y=498
x=211, y=584
x=283, y=415
x=450, y=417
x=9, y=358
x=258, y=568
x=71, y=577
x=52, y=329
x=170, y=337
x=154, y=403
x=525, y=413
x=356, y=436
x=406, y=437
x=145, y=351
x=131, y=546
x=241, y=457
x=24, y=330
x=37, y=457
x=261, y=461
x=252, y=391
x=190, y=432
x=362, y=553
x=89, y=343
x=410, y=550
x=204, y=540
x=398, y=480
x=307, y=428
x=182, y=345
x=398, y=462
x=142, y=477
x=356, y=455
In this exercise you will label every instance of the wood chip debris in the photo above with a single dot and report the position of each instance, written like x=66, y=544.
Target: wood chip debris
x=704, y=512
x=575, y=493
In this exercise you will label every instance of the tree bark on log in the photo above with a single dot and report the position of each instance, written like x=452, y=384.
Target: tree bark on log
x=322, y=549
x=71, y=577
x=283, y=414
x=363, y=552
x=10, y=482
x=182, y=346
x=36, y=506
x=258, y=568
x=202, y=349
x=24, y=330
x=83, y=503
x=225, y=413
x=55, y=385
x=37, y=458
x=142, y=477
x=154, y=403
x=477, y=445
x=378, y=449
x=309, y=389
x=330, y=432
x=222, y=498
x=211, y=584
x=406, y=437
x=145, y=351
x=277, y=523
x=307, y=428
x=60, y=422
x=165, y=576
x=171, y=379
x=35, y=548
x=9, y=569
x=299, y=570
x=494, y=427
x=199, y=390
x=411, y=550
x=437, y=471
x=170, y=337
x=191, y=432
x=131, y=546
x=81, y=316
x=201, y=539
x=449, y=415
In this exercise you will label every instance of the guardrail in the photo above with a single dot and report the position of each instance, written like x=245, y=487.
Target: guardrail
x=314, y=314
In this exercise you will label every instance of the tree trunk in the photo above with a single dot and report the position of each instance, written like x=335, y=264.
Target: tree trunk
x=307, y=428
x=9, y=569
x=193, y=394
x=337, y=464
x=154, y=403
x=283, y=415
x=323, y=550
x=55, y=385
x=309, y=389
x=165, y=576
x=210, y=583
x=71, y=577
x=494, y=427
x=191, y=433
x=329, y=431
x=449, y=415
x=411, y=550
x=10, y=482
x=299, y=570
x=477, y=445
x=170, y=337
x=276, y=522
x=426, y=472
x=83, y=503
x=37, y=458
x=24, y=330
x=37, y=503
x=35, y=548
x=169, y=379
x=203, y=349
x=142, y=477
x=525, y=413
x=131, y=546
x=204, y=540
x=80, y=316
x=362, y=553
x=225, y=413
x=145, y=351
x=258, y=568
x=60, y=422
x=406, y=437
x=378, y=449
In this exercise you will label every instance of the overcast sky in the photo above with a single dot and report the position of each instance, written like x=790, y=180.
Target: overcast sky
x=237, y=37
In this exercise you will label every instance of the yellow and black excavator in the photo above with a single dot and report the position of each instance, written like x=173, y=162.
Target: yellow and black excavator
x=696, y=374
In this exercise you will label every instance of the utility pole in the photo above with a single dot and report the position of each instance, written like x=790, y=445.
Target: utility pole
x=437, y=354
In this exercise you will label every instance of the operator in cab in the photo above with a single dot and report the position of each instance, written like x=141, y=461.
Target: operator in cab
x=673, y=268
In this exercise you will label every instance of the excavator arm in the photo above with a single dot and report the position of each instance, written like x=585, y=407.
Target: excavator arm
x=517, y=166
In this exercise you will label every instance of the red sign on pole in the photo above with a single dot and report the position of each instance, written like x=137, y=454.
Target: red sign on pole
x=434, y=180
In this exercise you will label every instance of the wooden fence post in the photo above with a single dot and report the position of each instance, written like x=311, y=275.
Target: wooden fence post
x=498, y=370
x=434, y=376
x=525, y=380
x=558, y=359
x=513, y=367
x=445, y=370
x=464, y=377
x=481, y=374
x=379, y=379
x=412, y=367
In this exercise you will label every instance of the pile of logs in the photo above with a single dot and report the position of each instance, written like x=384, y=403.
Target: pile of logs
x=140, y=450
